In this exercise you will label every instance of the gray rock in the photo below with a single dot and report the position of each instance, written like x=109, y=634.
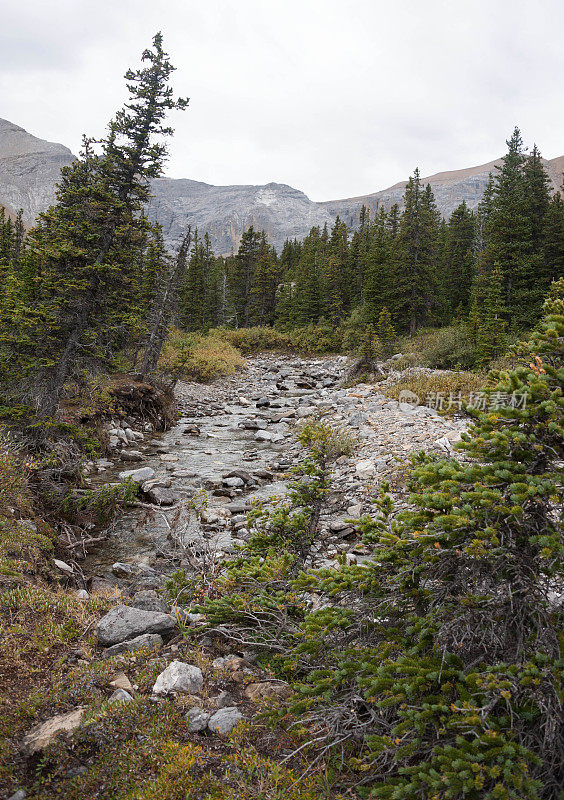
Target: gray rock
x=163, y=482
x=145, y=640
x=63, y=566
x=121, y=696
x=224, y=720
x=161, y=496
x=365, y=468
x=123, y=623
x=131, y=455
x=223, y=700
x=233, y=483
x=121, y=570
x=19, y=795
x=197, y=719
x=178, y=678
x=148, y=600
x=264, y=436
x=138, y=475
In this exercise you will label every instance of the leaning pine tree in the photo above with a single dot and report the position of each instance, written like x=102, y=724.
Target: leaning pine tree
x=436, y=666
x=89, y=246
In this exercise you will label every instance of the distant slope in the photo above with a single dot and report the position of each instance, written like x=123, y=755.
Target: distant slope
x=30, y=168
x=449, y=188
x=225, y=212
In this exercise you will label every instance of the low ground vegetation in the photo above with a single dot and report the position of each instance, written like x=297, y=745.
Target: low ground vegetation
x=458, y=388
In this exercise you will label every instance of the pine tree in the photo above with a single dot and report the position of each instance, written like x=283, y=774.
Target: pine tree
x=458, y=259
x=196, y=312
x=417, y=241
x=393, y=220
x=553, y=237
x=306, y=293
x=379, y=287
x=262, y=297
x=510, y=243
x=537, y=196
x=386, y=333
x=89, y=245
x=241, y=275
x=483, y=216
x=155, y=261
x=487, y=315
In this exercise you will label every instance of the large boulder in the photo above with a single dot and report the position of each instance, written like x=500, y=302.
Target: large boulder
x=224, y=720
x=179, y=678
x=123, y=623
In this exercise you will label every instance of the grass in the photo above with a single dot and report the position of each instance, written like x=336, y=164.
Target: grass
x=433, y=386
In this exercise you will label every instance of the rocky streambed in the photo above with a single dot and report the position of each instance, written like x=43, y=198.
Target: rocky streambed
x=234, y=445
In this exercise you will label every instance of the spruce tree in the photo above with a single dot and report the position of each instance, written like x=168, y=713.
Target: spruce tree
x=262, y=297
x=510, y=243
x=487, y=315
x=307, y=290
x=458, y=259
x=417, y=252
x=553, y=237
x=89, y=245
x=241, y=274
x=386, y=333
x=379, y=287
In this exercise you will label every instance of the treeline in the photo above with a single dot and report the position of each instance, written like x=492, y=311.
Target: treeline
x=91, y=288
x=491, y=267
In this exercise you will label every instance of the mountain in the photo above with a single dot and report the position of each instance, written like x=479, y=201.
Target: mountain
x=225, y=212
x=449, y=188
x=29, y=170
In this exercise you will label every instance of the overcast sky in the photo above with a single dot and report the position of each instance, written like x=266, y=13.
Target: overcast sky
x=335, y=97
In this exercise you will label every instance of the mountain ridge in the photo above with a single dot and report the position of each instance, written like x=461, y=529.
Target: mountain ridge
x=30, y=168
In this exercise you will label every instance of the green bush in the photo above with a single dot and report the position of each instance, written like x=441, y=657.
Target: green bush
x=255, y=340
x=441, y=348
x=199, y=358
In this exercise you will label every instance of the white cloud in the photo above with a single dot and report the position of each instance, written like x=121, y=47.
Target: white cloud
x=334, y=98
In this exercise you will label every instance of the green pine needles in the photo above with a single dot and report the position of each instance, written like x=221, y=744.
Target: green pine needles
x=433, y=669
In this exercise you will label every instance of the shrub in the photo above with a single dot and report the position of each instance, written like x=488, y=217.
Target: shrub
x=437, y=386
x=255, y=340
x=199, y=358
x=441, y=348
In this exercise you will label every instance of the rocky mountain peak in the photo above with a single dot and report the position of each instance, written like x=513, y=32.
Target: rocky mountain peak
x=30, y=168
